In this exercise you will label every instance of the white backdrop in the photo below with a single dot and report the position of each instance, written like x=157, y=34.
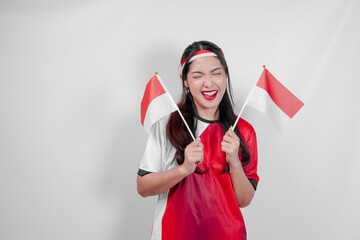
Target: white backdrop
x=72, y=75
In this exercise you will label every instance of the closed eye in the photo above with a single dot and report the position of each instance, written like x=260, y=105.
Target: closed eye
x=218, y=73
x=196, y=75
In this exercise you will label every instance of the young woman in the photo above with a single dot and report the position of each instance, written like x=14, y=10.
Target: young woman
x=201, y=184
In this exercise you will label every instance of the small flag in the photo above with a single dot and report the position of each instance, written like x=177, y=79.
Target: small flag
x=273, y=99
x=156, y=103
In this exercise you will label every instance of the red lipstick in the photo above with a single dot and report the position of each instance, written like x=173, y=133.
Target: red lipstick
x=209, y=95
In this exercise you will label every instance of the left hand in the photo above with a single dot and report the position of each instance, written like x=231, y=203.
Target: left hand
x=230, y=145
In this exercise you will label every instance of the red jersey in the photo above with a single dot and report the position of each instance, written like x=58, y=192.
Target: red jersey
x=203, y=206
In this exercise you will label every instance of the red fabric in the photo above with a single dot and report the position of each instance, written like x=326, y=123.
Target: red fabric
x=153, y=90
x=281, y=96
x=203, y=206
x=197, y=53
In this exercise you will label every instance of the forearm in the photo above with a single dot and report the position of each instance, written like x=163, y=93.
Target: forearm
x=158, y=182
x=243, y=189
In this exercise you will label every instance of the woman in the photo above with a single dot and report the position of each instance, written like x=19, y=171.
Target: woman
x=201, y=184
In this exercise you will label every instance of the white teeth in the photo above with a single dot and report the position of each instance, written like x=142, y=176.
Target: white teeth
x=209, y=93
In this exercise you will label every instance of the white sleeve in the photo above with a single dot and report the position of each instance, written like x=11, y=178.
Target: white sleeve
x=152, y=158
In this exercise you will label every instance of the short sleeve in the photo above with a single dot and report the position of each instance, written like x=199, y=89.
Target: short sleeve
x=249, y=135
x=152, y=158
x=250, y=169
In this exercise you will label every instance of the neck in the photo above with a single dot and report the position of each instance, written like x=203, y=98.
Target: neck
x=209, y=115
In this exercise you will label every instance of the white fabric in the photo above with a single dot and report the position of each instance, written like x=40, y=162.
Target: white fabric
x=199, y=56
x=158, y=108
x=202, y=55
x=261, y=101
x=158, y=156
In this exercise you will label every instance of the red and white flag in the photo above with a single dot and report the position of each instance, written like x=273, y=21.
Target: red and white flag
x=156, y=103
x=273, y=99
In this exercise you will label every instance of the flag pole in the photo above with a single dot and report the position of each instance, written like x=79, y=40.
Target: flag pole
x=177, y=108
x=246, y=100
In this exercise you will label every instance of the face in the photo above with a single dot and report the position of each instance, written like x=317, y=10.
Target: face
x=206, y=80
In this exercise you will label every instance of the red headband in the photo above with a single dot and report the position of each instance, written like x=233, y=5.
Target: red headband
x=198, y=54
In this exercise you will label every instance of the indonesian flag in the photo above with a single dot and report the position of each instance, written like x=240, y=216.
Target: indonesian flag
x=156, y=103
x=273, y=99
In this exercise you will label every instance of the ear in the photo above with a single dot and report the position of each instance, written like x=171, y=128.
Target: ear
x=185, y=81
x=186, y=84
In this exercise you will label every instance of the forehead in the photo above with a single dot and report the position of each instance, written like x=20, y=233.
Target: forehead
x=205, y=63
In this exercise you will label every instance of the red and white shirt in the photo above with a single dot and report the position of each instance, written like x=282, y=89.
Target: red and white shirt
x=201, y=206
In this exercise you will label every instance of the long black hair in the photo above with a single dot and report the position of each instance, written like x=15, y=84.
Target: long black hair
x=176, y=130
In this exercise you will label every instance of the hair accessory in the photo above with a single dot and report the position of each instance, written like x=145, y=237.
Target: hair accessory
x=198, y=54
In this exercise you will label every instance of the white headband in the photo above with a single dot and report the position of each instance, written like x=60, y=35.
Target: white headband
x=199, y=54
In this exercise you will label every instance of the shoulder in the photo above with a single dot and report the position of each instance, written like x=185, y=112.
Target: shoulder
x=163, y=122
x=158, y=129
x=158, y=154
x=246, y=130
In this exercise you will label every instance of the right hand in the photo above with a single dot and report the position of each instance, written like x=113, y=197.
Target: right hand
x=193, y=155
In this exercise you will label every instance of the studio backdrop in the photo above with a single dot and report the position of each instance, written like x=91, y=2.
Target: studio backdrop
x=72, y=76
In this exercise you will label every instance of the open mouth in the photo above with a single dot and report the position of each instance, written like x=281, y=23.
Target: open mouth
x=209, y=95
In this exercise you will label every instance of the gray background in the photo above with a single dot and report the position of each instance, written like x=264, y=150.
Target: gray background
x=72, y=75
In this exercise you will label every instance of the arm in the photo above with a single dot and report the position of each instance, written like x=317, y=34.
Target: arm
x=158, y=182
x=243, y=189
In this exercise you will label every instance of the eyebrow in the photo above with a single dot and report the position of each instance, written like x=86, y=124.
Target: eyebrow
x=196, y=72
x=216, y=69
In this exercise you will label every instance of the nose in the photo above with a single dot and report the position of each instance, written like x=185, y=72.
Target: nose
x=208, y=82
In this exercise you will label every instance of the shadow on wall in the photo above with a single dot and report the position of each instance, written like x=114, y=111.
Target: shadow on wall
x=135, y=214
x=133, y=217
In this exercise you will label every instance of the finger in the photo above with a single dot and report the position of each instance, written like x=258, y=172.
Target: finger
x=196, y=150
x=230, y=147
x=225, y=149
x=231, y=133
x=195, y=158
x=197, y=145
x=198, y=142
x=193, y=144
x=200, y=145
x=229, y=151
x=230, y=130
x=227, y=138
x=230, y=139
x=200, y=161
x=226, y=144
